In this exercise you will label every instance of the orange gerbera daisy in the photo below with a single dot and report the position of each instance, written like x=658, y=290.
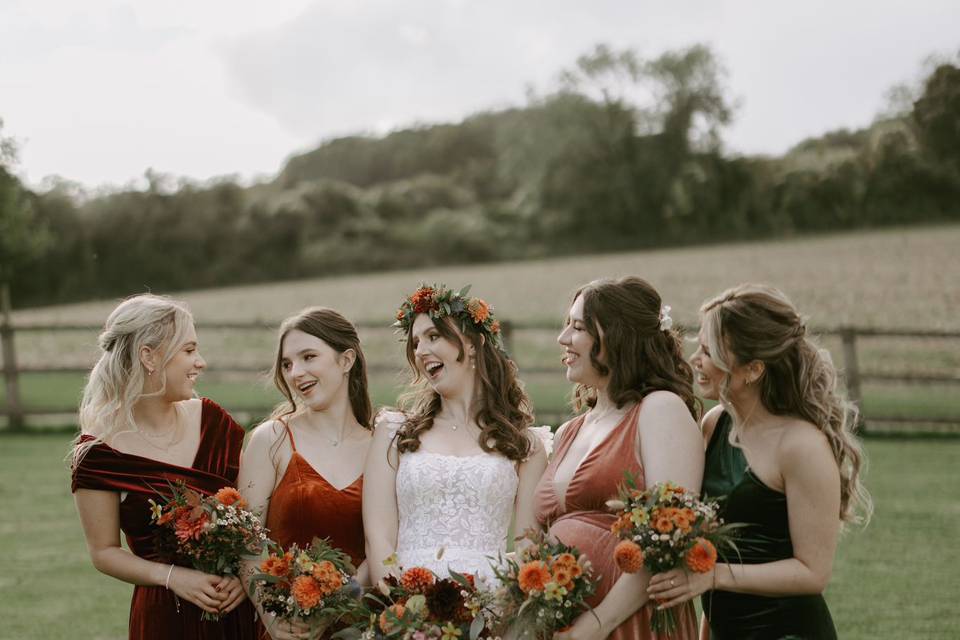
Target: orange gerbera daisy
x=306, y=591
x=187, y=529
x=386, y=624
x=562, y=575
x=702, y=556
x=629, y=556
x=417, y=579
x=533, y=576
x=275, y=566
x=229, y=496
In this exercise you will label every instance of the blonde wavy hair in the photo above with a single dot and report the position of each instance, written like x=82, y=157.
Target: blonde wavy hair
x=116, y=380
x=753, y=322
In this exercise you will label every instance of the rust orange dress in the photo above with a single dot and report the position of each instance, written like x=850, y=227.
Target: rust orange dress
x=581, y=518
x=154, y=613
x=304, y=505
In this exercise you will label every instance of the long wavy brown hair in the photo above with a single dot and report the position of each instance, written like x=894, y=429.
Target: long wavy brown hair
x=623, y=317
x=340, y=334
x=501, y=408
x=754, y=322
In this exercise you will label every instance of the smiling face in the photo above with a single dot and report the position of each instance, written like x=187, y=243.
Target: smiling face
x=577, y=344
x=438, y=357
x=706, y=374
x=183, y=369
x=315, y=372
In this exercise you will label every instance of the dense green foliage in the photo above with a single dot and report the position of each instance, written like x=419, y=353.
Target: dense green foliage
x=585, y=167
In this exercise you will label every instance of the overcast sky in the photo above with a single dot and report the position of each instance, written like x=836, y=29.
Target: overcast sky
x=98, y=91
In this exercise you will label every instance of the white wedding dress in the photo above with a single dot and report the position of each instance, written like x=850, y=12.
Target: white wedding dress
x=454, y=511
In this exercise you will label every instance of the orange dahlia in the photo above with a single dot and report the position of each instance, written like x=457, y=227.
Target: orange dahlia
x=684, y=519
x=662, y=521
x=479, y=310
x=629, y=556
x=533, y=576
x=306, y=591
x=702, y=556
x=417, y=579
x=565, y=559
x=386, y=624
x=327, y=576
x=228, y=496
x=275, y=566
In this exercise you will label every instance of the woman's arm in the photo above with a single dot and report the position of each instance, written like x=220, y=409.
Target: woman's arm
x=380, y=514
x=256, y=481
x=100, y=517
x=671, y=449
x=812, y=486
x=529, y=471
x=709, y=423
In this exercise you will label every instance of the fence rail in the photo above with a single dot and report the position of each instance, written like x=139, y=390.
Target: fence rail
x=850, y=363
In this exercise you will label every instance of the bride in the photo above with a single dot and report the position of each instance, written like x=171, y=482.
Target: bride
x=444, y=478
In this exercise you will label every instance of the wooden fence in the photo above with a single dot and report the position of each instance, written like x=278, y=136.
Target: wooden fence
x=17, y=412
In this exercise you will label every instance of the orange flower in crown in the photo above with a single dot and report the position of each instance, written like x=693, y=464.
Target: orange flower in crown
x=439, y=301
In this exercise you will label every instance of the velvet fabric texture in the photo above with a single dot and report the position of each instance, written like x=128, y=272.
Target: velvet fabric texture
x=154, y=614
x=740, y=616
x=305, y=506
x=581, y=518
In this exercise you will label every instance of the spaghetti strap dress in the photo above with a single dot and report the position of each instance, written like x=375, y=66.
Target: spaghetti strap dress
x=155, y=613
x=581, y=519
x=304, y=506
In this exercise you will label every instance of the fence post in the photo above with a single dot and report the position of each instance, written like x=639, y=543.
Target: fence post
x=14, y=408
x=851, y=368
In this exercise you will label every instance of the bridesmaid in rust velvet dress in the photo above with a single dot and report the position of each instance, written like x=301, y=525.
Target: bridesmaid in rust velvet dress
x=627, y=363
x=141, y=430
x=302, y=469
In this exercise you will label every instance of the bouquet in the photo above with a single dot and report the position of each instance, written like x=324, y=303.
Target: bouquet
x=419, y=605
x=667, y=527
x=312, y=584
x=545, y=589
x=210, y=533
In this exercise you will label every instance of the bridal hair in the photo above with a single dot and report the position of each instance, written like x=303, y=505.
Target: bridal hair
x=501, y=407
x=632, y=344
x=117, y=379
x=341, y=335
x=753, y=322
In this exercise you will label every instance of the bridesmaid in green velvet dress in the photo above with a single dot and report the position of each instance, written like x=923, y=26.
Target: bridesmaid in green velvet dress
x=801, y=479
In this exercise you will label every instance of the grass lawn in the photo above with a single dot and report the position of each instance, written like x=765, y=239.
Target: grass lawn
x=896, y=579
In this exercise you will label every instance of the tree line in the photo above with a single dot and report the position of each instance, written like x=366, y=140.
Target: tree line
x=622, y=153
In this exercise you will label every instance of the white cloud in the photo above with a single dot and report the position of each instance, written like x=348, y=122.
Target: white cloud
x=102, y=90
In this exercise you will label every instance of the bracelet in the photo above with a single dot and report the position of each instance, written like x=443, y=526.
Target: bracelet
x=166, y=583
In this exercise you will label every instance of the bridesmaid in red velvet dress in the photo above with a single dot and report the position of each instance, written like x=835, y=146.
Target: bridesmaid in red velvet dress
x=628, y=365
x=142, y=429
x=302, y=469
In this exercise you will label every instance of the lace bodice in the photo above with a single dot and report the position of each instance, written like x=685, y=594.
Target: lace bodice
x=461, y=505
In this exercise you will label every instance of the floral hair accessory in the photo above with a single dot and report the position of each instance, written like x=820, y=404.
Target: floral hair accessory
x=666, y=322
x=438, y=301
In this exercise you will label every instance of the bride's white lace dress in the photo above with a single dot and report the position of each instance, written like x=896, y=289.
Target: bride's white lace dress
x=457, y=507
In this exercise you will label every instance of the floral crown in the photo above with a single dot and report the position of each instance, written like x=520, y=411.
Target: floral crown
x=437, y=301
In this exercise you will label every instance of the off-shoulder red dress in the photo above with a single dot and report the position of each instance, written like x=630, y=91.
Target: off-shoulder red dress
x=154, y=614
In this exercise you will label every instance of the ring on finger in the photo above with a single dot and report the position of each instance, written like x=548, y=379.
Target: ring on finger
x=673, y=582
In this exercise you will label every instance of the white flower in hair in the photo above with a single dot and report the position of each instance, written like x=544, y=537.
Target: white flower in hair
x=666, y=322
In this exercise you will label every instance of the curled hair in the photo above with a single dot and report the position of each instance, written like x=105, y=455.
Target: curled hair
x=116, y=381
x=341, y=335
x=623, y=318
x=754, y=322
x=501, y=407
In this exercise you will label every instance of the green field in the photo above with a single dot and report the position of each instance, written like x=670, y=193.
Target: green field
x=896, y=579
x=883, y=279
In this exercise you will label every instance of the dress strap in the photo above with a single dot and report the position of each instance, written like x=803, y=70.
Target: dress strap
x=293, y=444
